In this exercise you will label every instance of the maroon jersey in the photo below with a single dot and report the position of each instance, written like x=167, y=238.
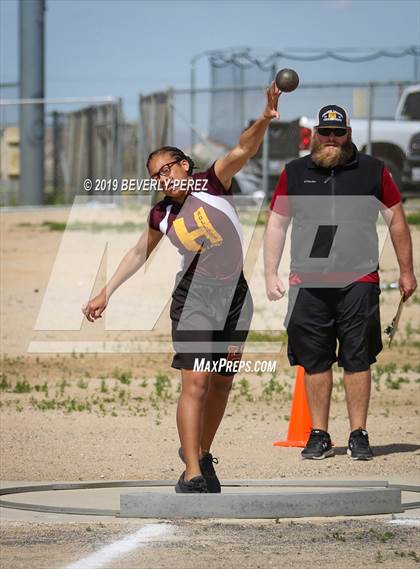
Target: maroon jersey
x=205, y=229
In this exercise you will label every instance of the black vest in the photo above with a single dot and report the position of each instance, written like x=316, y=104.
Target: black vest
x=334, y=224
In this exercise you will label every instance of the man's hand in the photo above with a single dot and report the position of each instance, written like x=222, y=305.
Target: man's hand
x=273, y=94
x=274, y=288
x=407, y=284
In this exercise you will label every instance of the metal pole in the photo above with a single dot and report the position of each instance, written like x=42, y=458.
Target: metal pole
x=120, y=134
x=171, y=118
x=265, y=162
x=31, y=117
x=193, y=79
x=56, y=152
x=241, y=98
x=369, y=120
x=90, y=143
x=141, y=155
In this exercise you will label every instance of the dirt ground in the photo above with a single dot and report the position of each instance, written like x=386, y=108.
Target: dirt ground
x=219, y=544
x=82, y=416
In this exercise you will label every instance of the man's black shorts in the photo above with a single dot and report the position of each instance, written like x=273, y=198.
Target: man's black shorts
x=210, y=320
x=319, y=317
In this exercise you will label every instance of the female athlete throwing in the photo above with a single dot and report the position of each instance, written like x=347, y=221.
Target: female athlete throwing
x=211, y=307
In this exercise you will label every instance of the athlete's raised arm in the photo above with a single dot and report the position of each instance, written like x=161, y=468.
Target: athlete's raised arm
x=249, y=141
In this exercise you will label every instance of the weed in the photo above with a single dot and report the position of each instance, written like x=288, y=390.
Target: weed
x=42, y=388
x=388, y=369
x=62, y=386
x=44, y=404
x=395, y=383
x=243, y=386
x=338, y=536
x=255, y=336
x=414, y=218
x=122, y=376
x=163, y=386
x=81, y=384
x=379, y=558
x=22, y=387
x=381, y=536
x=104, y=387
x=123, y=396
x=271, y=388
x=410, y=554
x=4, y=384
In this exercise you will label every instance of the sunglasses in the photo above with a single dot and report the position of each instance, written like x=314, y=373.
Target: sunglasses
x=326, y=131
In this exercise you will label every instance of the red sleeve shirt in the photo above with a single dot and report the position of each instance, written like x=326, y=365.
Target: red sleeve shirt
x=390, y=192
x=280, y=202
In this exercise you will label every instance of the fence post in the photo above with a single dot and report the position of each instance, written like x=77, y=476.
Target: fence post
x=369, y=125
x=56, y=153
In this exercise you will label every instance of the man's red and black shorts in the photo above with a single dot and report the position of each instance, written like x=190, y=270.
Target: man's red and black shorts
x=319, y=318
x=210, y=320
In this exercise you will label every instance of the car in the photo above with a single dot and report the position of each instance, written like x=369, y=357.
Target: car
x=411, y=169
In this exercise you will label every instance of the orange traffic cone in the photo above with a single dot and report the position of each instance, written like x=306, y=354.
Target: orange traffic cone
x=300, y=424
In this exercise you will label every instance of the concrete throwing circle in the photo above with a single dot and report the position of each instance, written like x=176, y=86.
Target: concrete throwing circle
x=267, y=499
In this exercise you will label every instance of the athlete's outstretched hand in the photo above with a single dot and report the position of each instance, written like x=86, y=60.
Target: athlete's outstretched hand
x=94, y=308
x=273, y=94
x=274, y=288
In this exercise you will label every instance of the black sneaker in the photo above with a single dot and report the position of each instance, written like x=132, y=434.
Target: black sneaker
x=197, y=485
x=359, y=448
x=207, y=470
x=318, y=446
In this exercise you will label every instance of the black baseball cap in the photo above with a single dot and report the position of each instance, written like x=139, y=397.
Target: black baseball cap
x=333, y=115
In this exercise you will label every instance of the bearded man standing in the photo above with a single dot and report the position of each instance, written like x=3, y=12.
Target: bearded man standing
x=334, y=196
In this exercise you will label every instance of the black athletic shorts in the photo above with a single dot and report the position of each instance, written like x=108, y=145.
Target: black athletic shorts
x=318, y=318
x=210, y=322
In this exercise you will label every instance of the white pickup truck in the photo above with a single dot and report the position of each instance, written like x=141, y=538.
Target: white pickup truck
x=390, y=138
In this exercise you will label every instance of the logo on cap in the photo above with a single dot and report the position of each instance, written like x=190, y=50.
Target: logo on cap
x=332, y=115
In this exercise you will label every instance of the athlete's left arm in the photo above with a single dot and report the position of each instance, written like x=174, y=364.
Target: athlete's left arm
x=401, y=240
x=249, y=141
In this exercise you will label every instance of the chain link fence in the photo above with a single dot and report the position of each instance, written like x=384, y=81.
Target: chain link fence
x=93, y=140
x=81, y=140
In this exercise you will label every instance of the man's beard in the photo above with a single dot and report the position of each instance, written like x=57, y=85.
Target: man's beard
x=330, y=156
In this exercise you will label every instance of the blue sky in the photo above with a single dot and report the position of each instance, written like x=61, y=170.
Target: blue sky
x=121, y=48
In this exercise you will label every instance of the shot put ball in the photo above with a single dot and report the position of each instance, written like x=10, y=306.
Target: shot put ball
x=287, y=80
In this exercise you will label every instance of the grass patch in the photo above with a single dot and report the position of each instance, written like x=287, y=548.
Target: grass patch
x=255, y=336
x=122, y=376
x=95, y=227
x=382, y=536
x=243, y=389
x=4, y=384
x=413, y=218
x=22, y=387
x=163, y=387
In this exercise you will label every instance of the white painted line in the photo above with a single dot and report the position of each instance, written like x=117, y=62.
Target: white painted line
x=110, y=552
x=406, y=522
